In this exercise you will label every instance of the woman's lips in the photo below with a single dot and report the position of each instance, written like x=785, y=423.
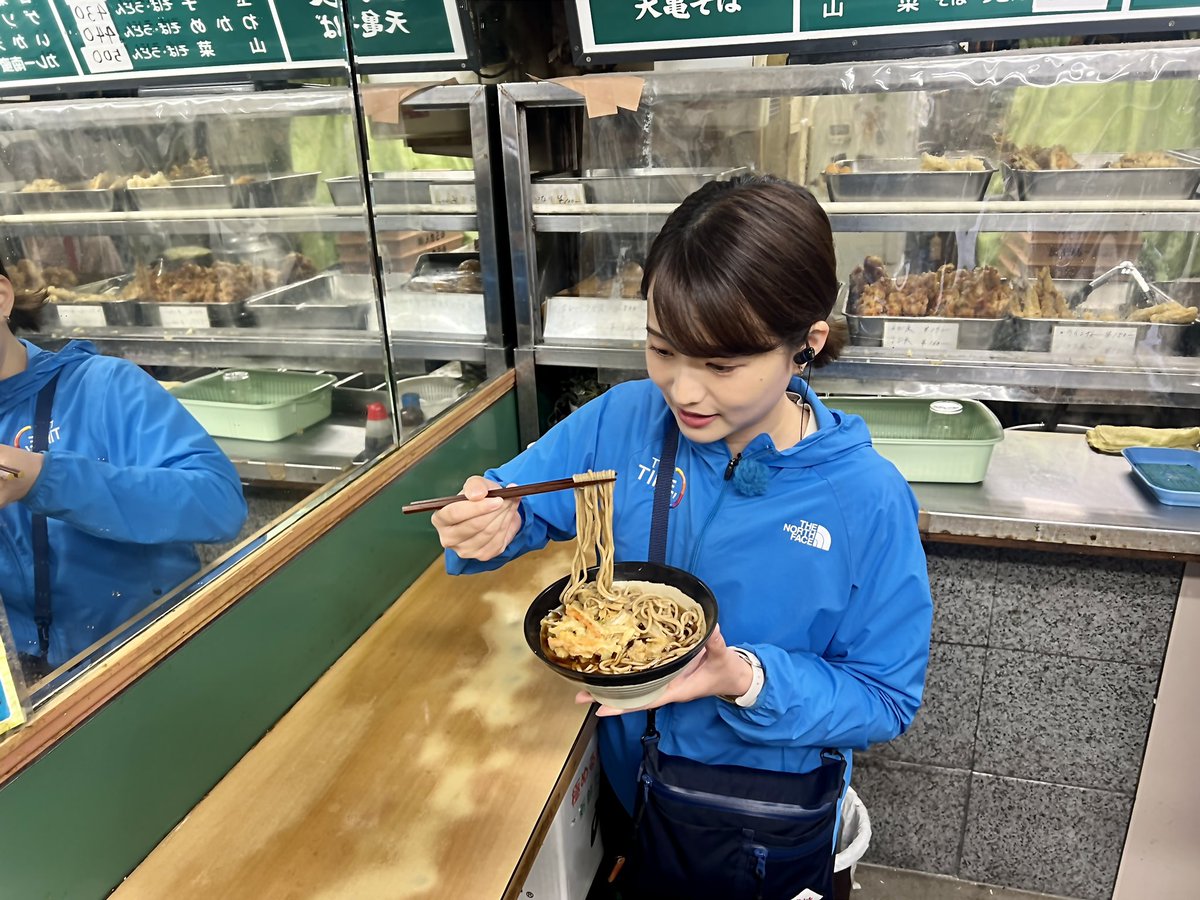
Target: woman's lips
x=692, y=420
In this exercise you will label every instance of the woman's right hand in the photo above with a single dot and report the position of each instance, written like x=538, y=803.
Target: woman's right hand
x=480, y=527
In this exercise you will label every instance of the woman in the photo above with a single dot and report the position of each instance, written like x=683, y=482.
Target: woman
x=115, y=482
x=807, y=538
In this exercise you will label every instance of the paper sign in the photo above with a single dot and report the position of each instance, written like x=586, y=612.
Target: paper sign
x=595, y=319
x=183, y=316
x=413, y=312
x=85, y=316
x=1093, y=340
x=920, y=335
x=553, y=194
x=452, y=194
x=102, y=50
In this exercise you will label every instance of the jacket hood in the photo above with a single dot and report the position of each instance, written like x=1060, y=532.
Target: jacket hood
x=40, y=369
x=837, y=434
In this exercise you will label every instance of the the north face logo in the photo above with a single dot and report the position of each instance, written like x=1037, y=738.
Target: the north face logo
x=810, y=534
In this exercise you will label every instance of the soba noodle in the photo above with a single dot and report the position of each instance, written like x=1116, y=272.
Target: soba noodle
x=615, y=628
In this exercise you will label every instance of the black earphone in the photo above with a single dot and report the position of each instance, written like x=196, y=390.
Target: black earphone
x=804, y=357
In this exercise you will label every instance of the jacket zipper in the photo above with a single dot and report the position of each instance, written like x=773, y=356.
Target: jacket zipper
x=729, y=470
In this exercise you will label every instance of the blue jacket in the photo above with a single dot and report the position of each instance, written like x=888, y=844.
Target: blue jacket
x=129, y=482
x=823, y=577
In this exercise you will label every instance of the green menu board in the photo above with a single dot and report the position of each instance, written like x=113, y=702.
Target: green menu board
x=54, y=43
x=408, y=33
x=621, y=29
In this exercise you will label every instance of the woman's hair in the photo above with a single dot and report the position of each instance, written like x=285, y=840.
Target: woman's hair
x=27, y=306
x=743, y=267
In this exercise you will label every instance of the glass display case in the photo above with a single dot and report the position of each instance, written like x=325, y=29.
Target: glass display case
x=1016, y=227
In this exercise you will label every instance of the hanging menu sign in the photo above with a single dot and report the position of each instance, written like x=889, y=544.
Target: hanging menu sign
x=48, y=43
x=605, y=30
x=400, y=35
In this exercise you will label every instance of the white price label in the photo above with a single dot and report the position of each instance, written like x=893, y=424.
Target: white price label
x=183, y=316
x=420, y=313
x=918, y=335
x=590, y=318
x=80, y=316
x=452, y=194
x=558, y=194
x=103, y=49
x=1093, y=340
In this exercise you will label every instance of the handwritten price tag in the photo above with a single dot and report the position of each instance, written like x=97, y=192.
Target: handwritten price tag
x=452, y=194
x=918, y=335
x=1093, y=340
x=419, y=313
x=83, y=316
x=558, y=194
x=103, y=49
x=592, y=319
x=183, y=316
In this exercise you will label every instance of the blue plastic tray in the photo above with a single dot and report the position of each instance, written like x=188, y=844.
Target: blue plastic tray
x=1172, y=476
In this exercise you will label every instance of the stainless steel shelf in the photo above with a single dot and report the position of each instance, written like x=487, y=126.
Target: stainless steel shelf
x=295, y=220
x=990, y=215
x=424, y=217
x=338, y=350
x=980, y=375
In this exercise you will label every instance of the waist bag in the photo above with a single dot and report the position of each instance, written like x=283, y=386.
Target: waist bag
x=728, y=832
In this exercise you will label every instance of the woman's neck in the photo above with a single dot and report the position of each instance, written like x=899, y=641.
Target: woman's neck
x=13, y=358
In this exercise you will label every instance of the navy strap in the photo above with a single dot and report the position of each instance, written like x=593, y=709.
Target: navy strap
x=657, y=552
x=42, y=613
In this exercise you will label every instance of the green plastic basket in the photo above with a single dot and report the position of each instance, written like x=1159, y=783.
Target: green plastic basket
x=268, y=406
x=899, y=432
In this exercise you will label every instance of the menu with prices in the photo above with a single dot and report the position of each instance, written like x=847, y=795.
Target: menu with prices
x=920, y=335
x=1094, y=340
x=52, y=42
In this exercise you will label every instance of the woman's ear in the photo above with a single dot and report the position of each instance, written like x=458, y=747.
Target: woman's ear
x=817, y=335
x=7, y=297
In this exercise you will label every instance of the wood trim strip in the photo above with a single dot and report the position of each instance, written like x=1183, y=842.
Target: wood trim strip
x=66, y=711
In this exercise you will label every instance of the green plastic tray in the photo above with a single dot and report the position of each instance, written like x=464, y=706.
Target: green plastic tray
x=270, y=405
x=898, y=431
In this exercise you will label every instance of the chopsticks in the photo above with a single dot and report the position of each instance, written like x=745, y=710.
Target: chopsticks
x=523, y=490
x=15, y=473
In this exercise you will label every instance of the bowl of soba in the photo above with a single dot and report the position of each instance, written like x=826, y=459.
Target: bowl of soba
x=624, y=641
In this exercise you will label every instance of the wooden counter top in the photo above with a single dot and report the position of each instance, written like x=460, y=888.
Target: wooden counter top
x=418, y=766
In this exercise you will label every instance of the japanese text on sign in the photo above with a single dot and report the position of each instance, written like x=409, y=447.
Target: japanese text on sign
x=919, y=335
x=1093, y=340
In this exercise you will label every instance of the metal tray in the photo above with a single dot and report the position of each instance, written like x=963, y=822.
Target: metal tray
x=70, y=201
x=417, y=187
x=1151, y=339
x=1094, y=182
x=903, y=179
x=970, y=334
x=98, y=313
x=346, y=190
x=648, y=185
x=197, y=196
x=279, y=191
x=194, y=315
x=8, y=197
x=330, y=300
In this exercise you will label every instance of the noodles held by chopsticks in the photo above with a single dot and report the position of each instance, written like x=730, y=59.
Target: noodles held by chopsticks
x=615, y=628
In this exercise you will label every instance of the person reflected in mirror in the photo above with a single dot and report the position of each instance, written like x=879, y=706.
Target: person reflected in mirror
x=107, y=483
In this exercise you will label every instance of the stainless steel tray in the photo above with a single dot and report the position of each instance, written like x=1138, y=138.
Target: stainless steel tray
x=903, y=179
x=194, y=315
x=969, y=334
x=647, y=185
x=195, y=196
x=417, y=187
x=94, y=313
x=346, y=190
x=1151, y=339
x=279, y=191
x=330, y=300
x=1094, y=182
x=71, y=201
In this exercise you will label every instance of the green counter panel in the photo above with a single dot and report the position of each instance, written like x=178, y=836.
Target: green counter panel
x=81, y=818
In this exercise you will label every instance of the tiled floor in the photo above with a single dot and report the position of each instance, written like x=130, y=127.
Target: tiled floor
x=880, y=883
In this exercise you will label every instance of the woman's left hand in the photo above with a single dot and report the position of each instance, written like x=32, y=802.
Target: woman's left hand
x=716, y=671
x=12, y=488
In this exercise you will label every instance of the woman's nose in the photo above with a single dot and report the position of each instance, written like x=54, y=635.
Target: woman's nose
x=687, y=389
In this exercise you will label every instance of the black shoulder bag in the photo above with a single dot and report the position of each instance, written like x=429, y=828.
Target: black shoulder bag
x=728, y=832
x=35, y=667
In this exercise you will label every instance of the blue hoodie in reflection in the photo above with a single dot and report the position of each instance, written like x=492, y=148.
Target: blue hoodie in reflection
x=129, y=482
x=822, y=576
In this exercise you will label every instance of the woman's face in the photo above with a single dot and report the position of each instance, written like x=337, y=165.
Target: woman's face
x=731, y=399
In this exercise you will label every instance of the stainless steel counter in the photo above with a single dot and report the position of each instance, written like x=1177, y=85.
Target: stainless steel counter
x=1054, y=489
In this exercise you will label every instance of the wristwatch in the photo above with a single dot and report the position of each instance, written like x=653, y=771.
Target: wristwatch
x=757, y=680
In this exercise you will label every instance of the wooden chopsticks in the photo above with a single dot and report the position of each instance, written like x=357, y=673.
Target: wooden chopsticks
x=523, y=490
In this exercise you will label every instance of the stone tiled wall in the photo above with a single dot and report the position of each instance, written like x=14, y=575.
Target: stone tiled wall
x=1021, y=767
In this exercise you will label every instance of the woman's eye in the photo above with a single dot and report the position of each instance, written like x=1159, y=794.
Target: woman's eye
x=660, y=351
x=720, y=369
